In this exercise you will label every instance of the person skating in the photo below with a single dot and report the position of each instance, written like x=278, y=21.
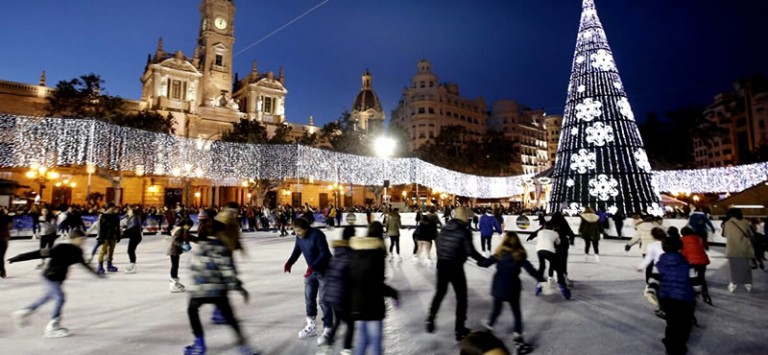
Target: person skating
x=61, y=256
x=654, y=252
x=510, y=257
x=676, y=295
x=738, y=233
x=109, y=235
x=132, y=231
x=311, y=243
x=179, y=236
x=567, y=238
x=226, y=227
x=643, y=236
x=213, y=274
x=701, y=225
x=393, y=227
x=367, y=289
x=6, y=224
x=590, y=230
x=546, y=243
x=48, y=233
x=425, y=234
x=337, y=292
x=453, y=248
x=488, y=225
x=696, y=255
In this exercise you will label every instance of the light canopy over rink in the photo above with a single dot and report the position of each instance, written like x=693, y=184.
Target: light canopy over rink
x=135, y=314
x=54, y=142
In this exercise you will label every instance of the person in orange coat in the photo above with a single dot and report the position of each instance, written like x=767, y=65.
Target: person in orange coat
x=696, y=255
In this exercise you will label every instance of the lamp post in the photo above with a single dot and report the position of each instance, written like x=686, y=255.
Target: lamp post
x=41, y=175
x=384, y=147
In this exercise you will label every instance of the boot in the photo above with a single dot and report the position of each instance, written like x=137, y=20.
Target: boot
x=461, y=333
x=323, y=339
x=520, y=345
x=310, y=330
x=748, y=287
x=131, y=269
x=110, y=267
x=21, y=317
x=731, y=287
x=55, y=330
x=100, y=270
x=430, y=323
x=539, y=288
x=176, y=286
x=198, y=348
x=565, y=291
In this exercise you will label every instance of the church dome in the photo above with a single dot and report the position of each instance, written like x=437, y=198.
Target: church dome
x=367, y=99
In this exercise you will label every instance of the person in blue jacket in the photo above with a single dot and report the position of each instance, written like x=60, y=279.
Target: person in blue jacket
x=701, y=224
x=311, y=243
x=488, y=225
x=510, y=257
x=676, y=296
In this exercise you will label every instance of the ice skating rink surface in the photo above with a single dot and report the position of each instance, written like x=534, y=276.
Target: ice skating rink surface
x=136, y=314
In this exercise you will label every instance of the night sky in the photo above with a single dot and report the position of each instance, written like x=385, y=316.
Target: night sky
x=669, y=53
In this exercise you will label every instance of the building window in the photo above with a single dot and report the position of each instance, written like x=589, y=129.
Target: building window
x=431, y=84
x=421, y=84
x=267, y=104
x=431, y=134
x=177, y=89
x=421, y=110
x=431, y=110
x=219, y=60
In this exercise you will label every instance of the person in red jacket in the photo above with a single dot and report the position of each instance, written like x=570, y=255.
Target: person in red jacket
x=696, y=255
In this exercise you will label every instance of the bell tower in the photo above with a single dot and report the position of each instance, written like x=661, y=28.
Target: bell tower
x=214, y=51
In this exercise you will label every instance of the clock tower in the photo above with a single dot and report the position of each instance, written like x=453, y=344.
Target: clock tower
x=214, y=51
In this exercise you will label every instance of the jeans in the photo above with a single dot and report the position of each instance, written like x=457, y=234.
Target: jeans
x=313, y=284
x=132, y=244
x=175, y=266
x=369, y=334
x=394, y=242
x=222, y=304
x=485, y=242
x=453, y=273
x=514, y=303
x=96, y=247
x=53, y=291
x=108, y=248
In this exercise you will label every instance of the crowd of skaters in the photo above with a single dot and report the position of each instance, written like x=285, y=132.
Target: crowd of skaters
x=665, y=254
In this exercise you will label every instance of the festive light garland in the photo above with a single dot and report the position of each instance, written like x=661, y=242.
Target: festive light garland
x=601, y=163
x=55, y=142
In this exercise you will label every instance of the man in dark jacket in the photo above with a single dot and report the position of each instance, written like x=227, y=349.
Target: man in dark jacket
x=109, y=235
x=311, y=242
x=454, y=245
x=337, y=289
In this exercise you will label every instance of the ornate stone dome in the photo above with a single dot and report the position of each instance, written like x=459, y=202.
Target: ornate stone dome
x=367, y=99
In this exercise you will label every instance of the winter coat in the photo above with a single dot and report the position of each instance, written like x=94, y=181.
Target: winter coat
x=654, y=252
x=454, y=243
x=506, y=281
x=6, y=224
x=699, y=222
x=393, y=225
x=738, y=234
x=674, y=276
x=315, y=249
x=426, y=231
x=62, y=256
x=176, y=241
x=47, y=228
x=489, y=224
x=366, y=278
x=109, y=227
x=229, y=229
x=72, y=220
x=693, y=250
x=337, y=274
x=590, y=227
x=643, y=235
x=546, y=239
x=132, y=227
x=213, y=270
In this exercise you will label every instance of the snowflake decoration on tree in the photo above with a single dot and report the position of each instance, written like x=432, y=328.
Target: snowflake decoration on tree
x=603, y=187
x=625, y=109
x=655, y=210
x=570, y=183
x=581, y=88
x=642, y=160
x=612, y=209
x=573, y=209
x=599, y=134
x=617, y=85
x=588, y=110
x=583, y=161
x=603, y=61
x=580, y=59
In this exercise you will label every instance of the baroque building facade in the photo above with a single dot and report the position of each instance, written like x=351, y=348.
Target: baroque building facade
x=367, y=112
x=526, y=129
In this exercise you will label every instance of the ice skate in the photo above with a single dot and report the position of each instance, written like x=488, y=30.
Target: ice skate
x=21, y=317
x=430, y=324
x=176, y=286
x=551, y=280
x=731, y=287
x=198, y=348
x=597, y=258
x=651, y=298
x=539, y=288
x=565, y=291
x=346, y=352
x=110, y=267
x=100, y=270
x=521, y=346
x=310, y=330
x=131, y=269
x=55, y=330
x=568, y=282
x=748, y=287
x=324, y=337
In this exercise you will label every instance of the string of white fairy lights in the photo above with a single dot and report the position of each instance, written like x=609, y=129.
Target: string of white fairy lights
x=50, y=142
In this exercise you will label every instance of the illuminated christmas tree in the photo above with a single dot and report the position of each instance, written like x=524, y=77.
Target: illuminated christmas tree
x=601, y=162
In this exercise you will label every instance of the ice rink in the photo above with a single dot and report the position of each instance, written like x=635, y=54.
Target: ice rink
x=136, y=314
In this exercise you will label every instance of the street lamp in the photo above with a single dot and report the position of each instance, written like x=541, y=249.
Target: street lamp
x=384, y=147
x=41, y=175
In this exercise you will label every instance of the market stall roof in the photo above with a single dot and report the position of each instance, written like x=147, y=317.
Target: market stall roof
x=753, y=201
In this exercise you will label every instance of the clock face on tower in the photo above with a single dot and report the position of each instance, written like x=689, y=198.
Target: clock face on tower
x=220, y=23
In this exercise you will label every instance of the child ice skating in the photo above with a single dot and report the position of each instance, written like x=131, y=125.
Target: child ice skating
x=62, y=256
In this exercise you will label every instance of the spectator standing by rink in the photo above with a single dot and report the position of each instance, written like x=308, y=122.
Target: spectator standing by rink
x=62, y=256
x=452, y=251
x=488, y=225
